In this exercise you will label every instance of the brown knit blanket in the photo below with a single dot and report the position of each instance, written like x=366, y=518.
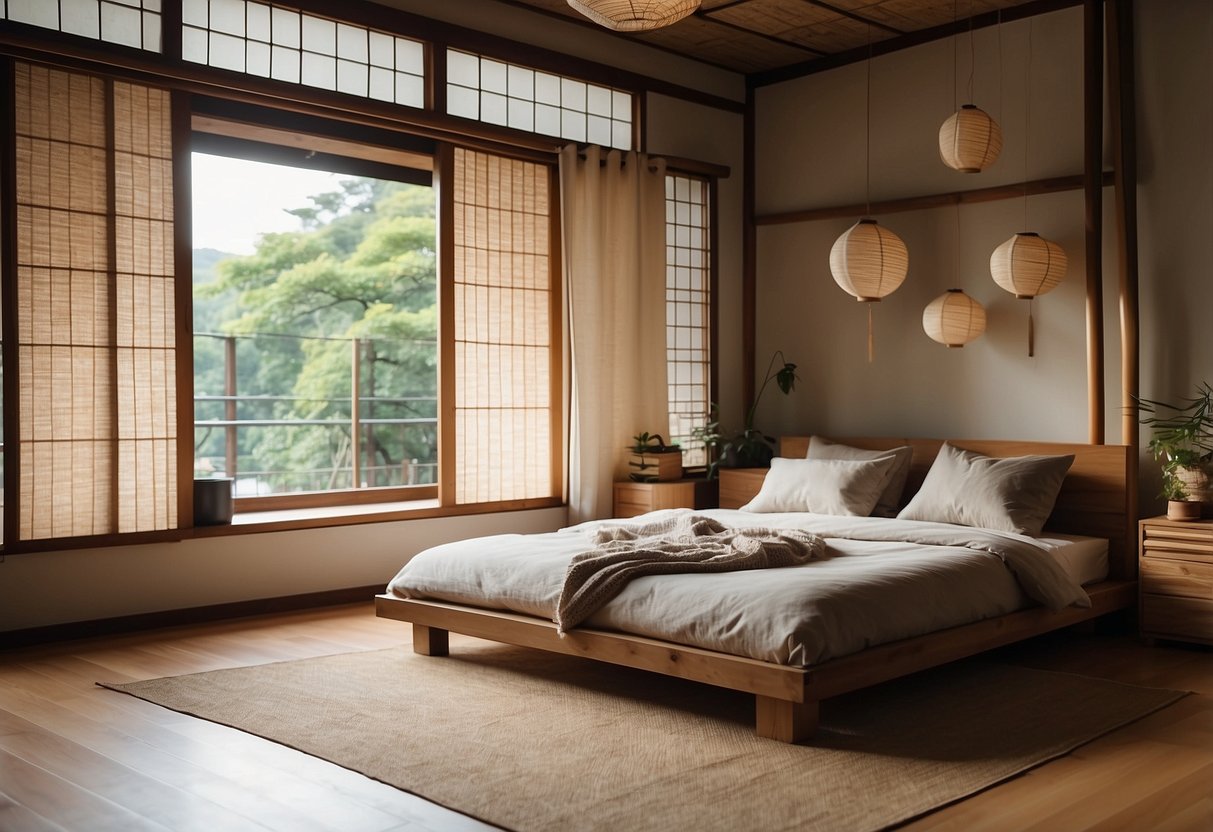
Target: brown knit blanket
x=680, y=544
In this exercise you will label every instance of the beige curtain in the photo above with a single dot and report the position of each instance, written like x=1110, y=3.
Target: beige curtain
x=613, y=225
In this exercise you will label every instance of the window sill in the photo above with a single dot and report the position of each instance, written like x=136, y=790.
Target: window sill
x=253, y=522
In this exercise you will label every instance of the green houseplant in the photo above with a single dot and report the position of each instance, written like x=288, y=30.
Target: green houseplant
x=1183, y=443
x=752, y=447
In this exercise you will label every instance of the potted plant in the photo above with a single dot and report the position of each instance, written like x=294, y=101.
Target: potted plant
x=653, y=459
x=751, y=448
x=1183, y=443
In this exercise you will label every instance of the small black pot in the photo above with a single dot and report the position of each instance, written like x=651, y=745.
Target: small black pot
x=213, y=501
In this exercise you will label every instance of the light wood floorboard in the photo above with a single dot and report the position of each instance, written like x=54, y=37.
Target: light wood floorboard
x=76, y=757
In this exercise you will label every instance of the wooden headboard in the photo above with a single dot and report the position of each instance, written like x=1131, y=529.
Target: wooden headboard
x=1094, y=499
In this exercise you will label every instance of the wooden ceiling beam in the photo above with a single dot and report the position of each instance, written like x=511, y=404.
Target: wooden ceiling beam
x=707, y=16
x=904, y=41
x=858, y=18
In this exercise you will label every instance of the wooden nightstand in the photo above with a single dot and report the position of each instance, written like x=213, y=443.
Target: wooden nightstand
x=1176, y=561
x=632, y=498
x=740, y=485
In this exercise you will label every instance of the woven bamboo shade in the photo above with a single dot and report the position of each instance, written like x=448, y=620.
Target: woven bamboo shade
x=1027, y=265
x=95, y=310
x=954, y=319
x=869, y=261
x=635, y=15
x=503, y=352
x=970, y=140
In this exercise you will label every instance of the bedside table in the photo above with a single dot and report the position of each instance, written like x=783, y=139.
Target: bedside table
x=1176, y=591
x=740, y=485
x=632, y=498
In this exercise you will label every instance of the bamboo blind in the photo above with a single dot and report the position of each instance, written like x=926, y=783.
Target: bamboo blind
x=502, y=296
x=95, y=313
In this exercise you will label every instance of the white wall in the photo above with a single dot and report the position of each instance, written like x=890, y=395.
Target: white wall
x=80, y=585
x=811, y=150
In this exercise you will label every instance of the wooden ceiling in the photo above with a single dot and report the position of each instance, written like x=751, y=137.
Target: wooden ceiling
x=780, y=37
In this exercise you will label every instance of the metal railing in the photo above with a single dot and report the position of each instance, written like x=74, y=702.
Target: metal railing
x=360, y=432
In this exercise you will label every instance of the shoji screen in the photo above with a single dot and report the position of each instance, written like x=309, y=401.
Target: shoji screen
x=94, y=299
x=503, y=329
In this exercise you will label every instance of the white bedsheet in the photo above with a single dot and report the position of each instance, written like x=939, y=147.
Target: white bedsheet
x=862, y=593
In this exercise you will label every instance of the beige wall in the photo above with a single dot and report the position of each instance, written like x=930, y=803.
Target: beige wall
x=80, y=585
x=810, y=136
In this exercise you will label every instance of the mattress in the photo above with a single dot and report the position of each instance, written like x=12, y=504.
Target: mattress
x=871, y=587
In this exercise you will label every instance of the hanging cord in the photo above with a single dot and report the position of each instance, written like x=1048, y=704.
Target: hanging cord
x=867, y=132
x=1001, y=113
x=871, y=337
x=1031, y=330
x=972, y=54
x=955, y=56
x=1027, y=119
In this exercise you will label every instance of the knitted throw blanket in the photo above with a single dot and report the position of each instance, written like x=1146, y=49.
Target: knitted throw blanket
x=686, y=543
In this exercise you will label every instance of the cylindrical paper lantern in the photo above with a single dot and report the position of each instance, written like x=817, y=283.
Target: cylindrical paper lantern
x=869, y=261
x=635, y=15
x=954, y=318
x=1028, y=265
x=970, y=141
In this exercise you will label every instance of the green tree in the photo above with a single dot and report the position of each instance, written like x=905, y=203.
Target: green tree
x=362, y=267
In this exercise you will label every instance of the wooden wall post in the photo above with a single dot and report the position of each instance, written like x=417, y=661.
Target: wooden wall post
x=1092, y=166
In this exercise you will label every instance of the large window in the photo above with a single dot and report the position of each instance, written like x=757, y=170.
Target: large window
x=125, y=22
x=688, y=311
x=315, y=329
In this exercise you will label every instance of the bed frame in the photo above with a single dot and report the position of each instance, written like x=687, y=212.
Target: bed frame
x=1095, y=500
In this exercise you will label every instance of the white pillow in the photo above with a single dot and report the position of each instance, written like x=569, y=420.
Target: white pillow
x=821, y=486
x=894, y=480
x=1011, y=494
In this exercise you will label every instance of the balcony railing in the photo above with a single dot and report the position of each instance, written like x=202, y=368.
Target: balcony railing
x=356, y=430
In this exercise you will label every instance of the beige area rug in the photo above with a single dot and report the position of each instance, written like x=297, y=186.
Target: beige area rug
x=534, y=741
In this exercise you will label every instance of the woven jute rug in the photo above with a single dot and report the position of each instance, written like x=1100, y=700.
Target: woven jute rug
x=534, y=741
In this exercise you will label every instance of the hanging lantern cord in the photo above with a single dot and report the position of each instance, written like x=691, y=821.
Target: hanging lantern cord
x=871, y=337
x=1031, y=330
x=867, y=132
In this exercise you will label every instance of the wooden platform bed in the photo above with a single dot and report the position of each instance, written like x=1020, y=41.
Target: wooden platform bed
x=1096, y=500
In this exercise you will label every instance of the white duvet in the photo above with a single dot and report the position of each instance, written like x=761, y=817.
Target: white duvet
x=880, y=580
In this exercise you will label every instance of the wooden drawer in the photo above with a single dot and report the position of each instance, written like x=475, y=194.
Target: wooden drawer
x=1180, y=578
x=632, y=498
x=1185, y=618
x=1177, y=541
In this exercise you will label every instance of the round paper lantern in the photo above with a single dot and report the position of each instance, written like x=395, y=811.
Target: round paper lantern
x=970, y=141
x=869, y=261
x=954, y=318
x=635, y=15
x=1028, y=265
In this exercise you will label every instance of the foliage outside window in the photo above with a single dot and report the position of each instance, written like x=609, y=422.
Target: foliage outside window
x=350, y=294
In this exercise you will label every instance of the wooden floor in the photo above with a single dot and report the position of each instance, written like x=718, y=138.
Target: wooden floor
x=77, y=757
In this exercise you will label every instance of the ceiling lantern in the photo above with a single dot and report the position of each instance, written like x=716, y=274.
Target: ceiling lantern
x=970, y=141
x=635, y=15
x=1028, y=265
x=869, y=261
x=954, y=318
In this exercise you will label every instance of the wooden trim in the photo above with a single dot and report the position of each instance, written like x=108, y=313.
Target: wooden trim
x=8, y=308
x=108, y=627
x=111, y=252
x=94, y=541
x=170, y=30
x=749, y=258
x=556, y=376
x=342, y=497
x=416, y=27
x=1093, y=93
x=895, y=44
x=444, y=183
x=183, y=289
x=1123, y=107
x=713, y=291
x=1052, y=185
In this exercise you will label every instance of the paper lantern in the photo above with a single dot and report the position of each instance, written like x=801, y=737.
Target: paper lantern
x=970, y=141
x=635, y=15
x=868, y=261
x=1028, y=265
x=954, y=318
